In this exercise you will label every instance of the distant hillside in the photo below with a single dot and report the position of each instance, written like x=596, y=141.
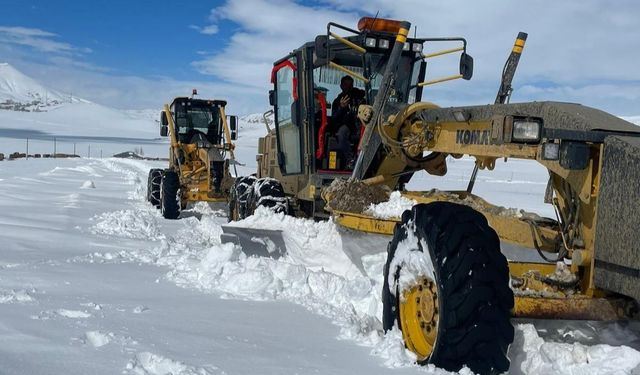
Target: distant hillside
x=19, y=92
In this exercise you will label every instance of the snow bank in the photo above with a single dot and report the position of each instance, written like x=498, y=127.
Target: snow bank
x=146, y=363
x=540, y=357
x=12, y=296
x=73, y=314
x=317, y=245
x=97, y=338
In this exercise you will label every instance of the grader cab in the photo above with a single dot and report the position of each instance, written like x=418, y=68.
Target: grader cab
x=200, y=154
x=447, y=283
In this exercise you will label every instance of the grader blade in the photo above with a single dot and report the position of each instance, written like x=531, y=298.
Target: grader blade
x=255, y=242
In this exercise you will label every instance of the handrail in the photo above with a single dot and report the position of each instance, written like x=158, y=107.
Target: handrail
x=349, y=72
x=443, y=52
x=438, y=80
x=348, y=43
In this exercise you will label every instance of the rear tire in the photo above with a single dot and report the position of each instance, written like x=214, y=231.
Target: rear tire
x=467, y=322
x=268, y=192
x=153, y=187
x=169, y=195
x=239, y=197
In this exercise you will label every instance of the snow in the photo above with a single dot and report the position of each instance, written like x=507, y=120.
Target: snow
x=94, y=280
x=18, y=87
x=393, y=208
x=542, y=357
x=104, y=276
x=97, y=338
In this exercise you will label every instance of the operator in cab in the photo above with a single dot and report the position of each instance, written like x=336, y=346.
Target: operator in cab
x=344, y=117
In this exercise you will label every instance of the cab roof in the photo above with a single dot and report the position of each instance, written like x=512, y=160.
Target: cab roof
x=212, y=102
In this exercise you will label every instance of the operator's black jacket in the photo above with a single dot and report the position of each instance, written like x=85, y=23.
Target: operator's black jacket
x=346, y=116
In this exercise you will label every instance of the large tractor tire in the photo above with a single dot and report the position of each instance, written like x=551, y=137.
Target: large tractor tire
x=239, y=197
x=268, y=192
x=153, y=187
x=446, y=287
x=170, y=195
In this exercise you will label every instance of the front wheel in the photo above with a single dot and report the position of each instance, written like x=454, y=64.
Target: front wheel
x=446, y=287
x=153, y=187
x=268, y=192
x=239, y=198
x=170, y=195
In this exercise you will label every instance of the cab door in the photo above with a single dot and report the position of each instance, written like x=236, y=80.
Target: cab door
x=284, y=76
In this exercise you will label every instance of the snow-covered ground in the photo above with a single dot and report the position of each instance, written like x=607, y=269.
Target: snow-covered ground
x=94, y=280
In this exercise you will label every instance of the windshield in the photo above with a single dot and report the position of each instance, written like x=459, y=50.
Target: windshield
x=190, y=117
x=194, y=116
x=327, y=78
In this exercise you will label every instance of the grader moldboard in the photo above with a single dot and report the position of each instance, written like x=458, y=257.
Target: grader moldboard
x=447, y=285
x=199, y=156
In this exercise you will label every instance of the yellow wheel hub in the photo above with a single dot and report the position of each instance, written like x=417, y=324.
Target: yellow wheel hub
x=419, y=317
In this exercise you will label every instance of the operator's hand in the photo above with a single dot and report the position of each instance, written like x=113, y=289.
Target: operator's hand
x=344, y=101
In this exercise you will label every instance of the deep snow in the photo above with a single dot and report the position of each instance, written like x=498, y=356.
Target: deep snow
x=89, y=285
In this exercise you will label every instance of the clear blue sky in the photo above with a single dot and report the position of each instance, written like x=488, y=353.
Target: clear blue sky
x=144, y=38
x=138, y=54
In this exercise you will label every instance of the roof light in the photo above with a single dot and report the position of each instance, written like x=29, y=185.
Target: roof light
x=383, y=43
x=416, y=47
x=406, y=47
x=379, y=24
x=370, y=42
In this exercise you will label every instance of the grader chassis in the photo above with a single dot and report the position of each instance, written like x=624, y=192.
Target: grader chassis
x=200, y=154
x=447, y=286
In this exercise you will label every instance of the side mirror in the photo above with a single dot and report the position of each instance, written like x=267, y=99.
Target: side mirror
x=164, y=130
x=233, y=127
x=321, y=50
x=272, y=98
x=163, y=118
x=466, y=66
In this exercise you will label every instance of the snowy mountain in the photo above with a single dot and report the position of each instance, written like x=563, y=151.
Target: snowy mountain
x=22, y=93
x=63, y=114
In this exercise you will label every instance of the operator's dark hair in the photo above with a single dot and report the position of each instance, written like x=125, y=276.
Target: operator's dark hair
x=345, y=78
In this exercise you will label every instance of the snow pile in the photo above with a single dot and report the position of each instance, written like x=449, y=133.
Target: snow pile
x=316, y=245
x=391, y=209
x=540, y=357
x=146, y=363
x=127, y=223
x=88, y=185
x=97, y=338
x=11, y=296
x=73, y=314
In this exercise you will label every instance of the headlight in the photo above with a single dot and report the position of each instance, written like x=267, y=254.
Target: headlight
x=406, y=47
x=383, y=43
x=370, y=42
x=416, y=47
x=525, y=130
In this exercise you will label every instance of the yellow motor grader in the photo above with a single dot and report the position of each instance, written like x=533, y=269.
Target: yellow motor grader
x=199, y=156
x=447, y=284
